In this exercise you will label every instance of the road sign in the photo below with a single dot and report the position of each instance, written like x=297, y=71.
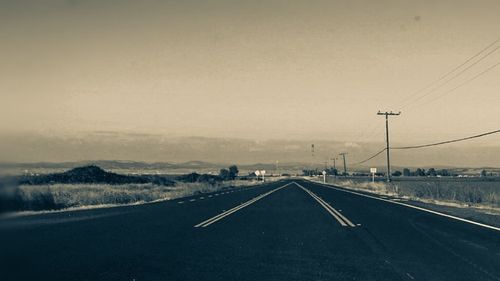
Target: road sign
x=373, y=171
x=257, y=173
x=324, y=176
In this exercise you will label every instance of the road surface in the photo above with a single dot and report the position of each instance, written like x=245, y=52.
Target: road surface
x=287, y=230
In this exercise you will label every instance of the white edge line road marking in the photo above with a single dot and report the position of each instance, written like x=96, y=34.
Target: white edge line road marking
x=237, y=208
x=338, y=216
x=415, y=207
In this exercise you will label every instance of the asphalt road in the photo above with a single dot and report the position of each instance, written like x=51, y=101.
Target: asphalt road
x=288, y=230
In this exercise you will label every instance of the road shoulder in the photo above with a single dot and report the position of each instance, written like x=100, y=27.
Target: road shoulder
x=472, y=214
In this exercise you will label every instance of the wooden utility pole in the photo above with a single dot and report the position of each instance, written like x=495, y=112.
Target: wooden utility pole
x=312, y=158
x=387, y=148
x=334, y=166
x=345, y=166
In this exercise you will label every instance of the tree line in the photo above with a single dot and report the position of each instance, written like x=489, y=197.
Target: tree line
x=419, y=172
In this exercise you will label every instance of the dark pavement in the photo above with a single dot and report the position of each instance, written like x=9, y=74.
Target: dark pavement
x=285, y=234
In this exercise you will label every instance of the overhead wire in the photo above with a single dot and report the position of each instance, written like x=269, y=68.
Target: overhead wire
x=428, y=145
x=444, y=76
x=448, y=141
x=427, y=93
x=370, y=158
x=462, y=84
x=435, y=85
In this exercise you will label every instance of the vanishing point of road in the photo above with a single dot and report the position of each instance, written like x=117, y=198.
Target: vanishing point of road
x=287, y=230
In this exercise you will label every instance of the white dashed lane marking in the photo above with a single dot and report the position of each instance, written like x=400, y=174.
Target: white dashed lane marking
x=237, y=208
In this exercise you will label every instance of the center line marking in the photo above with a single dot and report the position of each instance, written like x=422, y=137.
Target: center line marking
x=237, y=208
x=337, y=215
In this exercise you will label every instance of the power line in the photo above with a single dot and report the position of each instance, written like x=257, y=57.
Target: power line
x=448, y=141
x=427, y=145
x=462, y=84
x=449, y=79
x=370, y=158
x=454, y=69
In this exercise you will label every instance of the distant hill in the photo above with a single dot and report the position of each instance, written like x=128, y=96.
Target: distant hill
x=93, y=175
x=114, y=165
x=161, y=152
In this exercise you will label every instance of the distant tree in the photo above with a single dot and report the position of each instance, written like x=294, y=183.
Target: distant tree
x=206, y=178
x=420, y=172
x=431, y=172
x=397, y=174
x=332, y=171
x=233, y=172
x=406, y=172
x=444, y=173
x=310, y=172
x=224, y=174
x=193, y=177
x=483, y=173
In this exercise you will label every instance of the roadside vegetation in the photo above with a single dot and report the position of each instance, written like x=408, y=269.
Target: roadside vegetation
x=478, y=192
x=92, y=186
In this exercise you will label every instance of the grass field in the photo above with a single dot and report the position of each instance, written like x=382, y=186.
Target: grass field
x=469, y=192
x=63, y=196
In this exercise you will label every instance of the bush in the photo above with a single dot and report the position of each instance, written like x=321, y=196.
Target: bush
x=193, y=177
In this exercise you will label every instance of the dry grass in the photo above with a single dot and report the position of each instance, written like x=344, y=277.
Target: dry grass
x=64, y=196
x=463, y=192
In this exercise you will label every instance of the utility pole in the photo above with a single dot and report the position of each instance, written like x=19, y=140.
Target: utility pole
x=334, y=166
x=345, y=166
x=312, y=158
x=387, y=148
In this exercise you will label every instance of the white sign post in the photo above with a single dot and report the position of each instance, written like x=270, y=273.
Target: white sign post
x=257, y=173
x=324, y=176
x=263, y=172
x=373, y=171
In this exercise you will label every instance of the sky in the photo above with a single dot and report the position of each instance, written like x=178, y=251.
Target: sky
x=248, y=69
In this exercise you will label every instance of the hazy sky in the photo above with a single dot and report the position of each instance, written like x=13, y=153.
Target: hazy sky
x=249, y=69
